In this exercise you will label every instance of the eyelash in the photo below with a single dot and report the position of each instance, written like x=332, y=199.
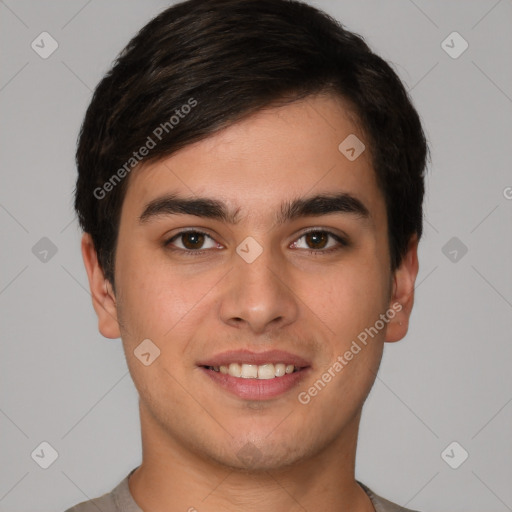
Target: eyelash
x=316, y=252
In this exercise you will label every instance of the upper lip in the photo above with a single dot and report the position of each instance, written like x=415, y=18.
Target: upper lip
x=256, y=358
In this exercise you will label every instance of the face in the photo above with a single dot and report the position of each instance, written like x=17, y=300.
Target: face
x=267, y=280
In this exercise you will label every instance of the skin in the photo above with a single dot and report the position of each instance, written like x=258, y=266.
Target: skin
x=289, y=299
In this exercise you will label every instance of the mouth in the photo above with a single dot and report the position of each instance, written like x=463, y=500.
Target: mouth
x=256, y=376
x=252, y=371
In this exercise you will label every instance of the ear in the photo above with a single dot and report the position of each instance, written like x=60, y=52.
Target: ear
x=103, y=298
x=402, y=296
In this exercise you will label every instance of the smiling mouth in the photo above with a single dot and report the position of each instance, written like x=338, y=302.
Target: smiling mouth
x=252, y=371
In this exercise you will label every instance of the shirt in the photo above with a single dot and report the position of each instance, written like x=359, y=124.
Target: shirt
x=121, y=500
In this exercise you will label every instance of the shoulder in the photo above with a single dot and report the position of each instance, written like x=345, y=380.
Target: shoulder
x=105, y=503
x=381, y=504
x=117, y=500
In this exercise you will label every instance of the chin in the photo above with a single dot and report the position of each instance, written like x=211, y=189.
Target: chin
x=261, y=456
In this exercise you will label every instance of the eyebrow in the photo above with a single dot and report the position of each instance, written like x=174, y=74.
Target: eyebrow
x=321, y=204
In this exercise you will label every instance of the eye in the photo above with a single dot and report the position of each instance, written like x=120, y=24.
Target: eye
x=319, y=240
x=192, y=242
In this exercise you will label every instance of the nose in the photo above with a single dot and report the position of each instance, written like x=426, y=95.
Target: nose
x=258, y=295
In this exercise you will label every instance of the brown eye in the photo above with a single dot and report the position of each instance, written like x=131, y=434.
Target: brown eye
x=316, y=239
x=317, y=242
x=190, y=242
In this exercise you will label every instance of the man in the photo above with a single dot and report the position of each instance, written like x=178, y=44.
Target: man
x=250, y=189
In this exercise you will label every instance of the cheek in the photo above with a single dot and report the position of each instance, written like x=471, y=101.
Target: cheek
x=349, y=297
x=159, y=299
x=144, y=296
x=350, y=304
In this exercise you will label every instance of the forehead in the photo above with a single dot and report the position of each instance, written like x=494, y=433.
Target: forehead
x=273, y=155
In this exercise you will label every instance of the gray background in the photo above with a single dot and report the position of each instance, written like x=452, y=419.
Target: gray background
x=448, y=380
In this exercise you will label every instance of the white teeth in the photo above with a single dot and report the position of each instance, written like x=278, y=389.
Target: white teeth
x=253, y=371
x=280, y=369
x=266, y=371
x=249, y=371
x=235, y=370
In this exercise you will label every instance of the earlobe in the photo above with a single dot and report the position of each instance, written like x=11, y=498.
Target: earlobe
x=402, y=296
x=103, y=298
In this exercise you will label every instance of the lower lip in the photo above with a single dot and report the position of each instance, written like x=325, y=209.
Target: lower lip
x=257, y=389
